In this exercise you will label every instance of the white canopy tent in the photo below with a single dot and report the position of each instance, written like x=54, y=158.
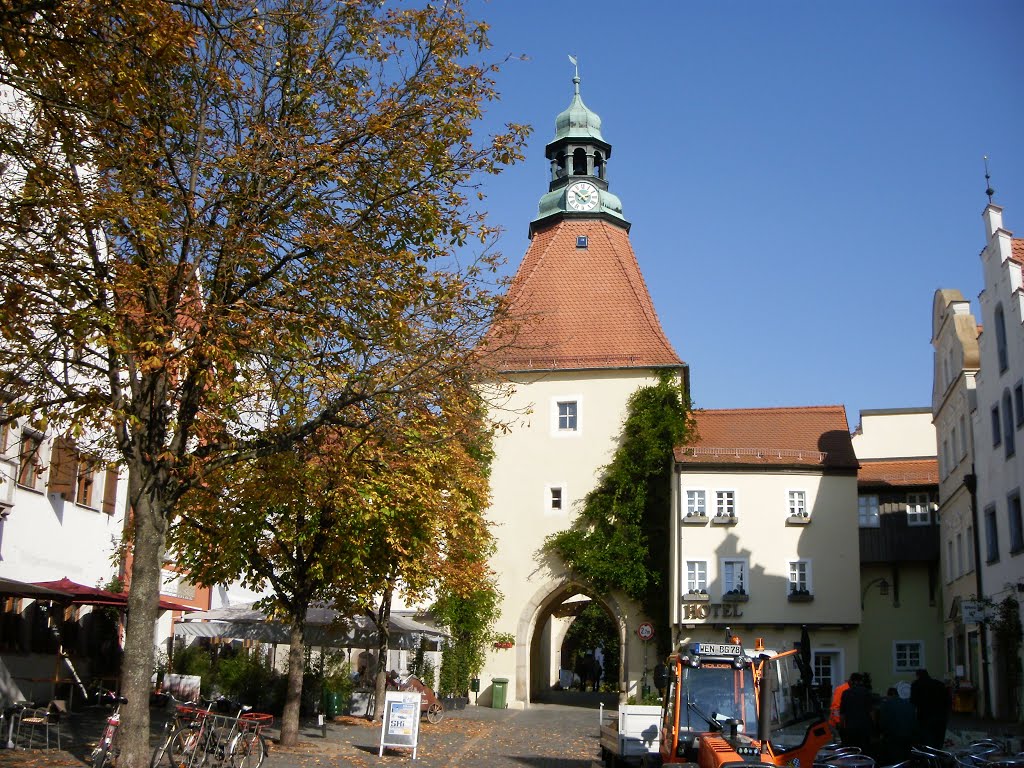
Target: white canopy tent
x=325, y=627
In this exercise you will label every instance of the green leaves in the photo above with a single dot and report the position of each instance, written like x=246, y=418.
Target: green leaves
x=619, y=541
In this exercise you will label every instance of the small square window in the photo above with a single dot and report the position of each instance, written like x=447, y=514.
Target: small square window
x=696, y=505
x=908, y=656
x=555, y=499
x=581, y=241
x=918, y=512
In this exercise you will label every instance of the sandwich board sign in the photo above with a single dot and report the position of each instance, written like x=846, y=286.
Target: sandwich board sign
x=401, y=725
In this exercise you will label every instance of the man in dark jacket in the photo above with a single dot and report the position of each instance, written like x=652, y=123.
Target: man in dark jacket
x=930, y=698
x=856, y=723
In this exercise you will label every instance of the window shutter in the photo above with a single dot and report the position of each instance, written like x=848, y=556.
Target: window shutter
x=62, y=468
x=110, y=491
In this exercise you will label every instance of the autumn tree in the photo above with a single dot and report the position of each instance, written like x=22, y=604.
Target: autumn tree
x=350, y=518
x=212, y=208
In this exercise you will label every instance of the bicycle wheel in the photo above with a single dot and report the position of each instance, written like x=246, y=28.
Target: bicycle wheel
x=182, y=749
x=98, y=758
x=248, y=750
x=176, y=750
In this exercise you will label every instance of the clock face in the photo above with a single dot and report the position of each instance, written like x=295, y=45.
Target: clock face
x=582, y=196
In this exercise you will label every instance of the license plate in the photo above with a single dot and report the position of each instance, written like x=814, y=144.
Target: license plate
x=720, y=649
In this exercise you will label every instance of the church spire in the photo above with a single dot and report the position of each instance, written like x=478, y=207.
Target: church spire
x=578, y=155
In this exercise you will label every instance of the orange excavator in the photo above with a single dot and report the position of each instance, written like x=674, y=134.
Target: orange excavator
x=725, y=706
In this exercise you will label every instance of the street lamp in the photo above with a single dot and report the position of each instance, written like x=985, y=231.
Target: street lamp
x=883, y=589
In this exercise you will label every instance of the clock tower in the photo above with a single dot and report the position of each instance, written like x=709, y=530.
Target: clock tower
x=579, y=161
x=579, y=337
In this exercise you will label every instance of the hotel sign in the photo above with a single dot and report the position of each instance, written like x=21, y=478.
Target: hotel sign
x=699, y=611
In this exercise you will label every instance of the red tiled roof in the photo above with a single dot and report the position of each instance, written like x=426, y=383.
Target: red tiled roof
x=899, y=472
x=1017, y=251
x=806, y=436
x=581, y=307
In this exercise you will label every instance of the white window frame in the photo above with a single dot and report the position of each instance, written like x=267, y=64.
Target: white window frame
x=909, y=665
x=919, y=510
x=549, y=498
x=744, y=580
x=797, y=501
x=698, y=493
x=868, y=521
x=792, y=585
x=697, y=587
x=725, y=503
x=556, y=403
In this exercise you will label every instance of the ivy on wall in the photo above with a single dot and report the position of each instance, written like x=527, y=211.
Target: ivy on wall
x=620, y=539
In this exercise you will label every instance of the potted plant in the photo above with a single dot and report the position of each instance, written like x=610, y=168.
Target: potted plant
x=800, y=595
x=503, y=639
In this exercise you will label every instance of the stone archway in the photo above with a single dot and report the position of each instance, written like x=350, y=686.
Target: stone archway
x=539, y=635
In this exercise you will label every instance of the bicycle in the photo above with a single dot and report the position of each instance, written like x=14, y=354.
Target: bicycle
x=237, y=741
x=107, y=751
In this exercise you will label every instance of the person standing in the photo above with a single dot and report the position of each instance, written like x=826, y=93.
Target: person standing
x=837, y=697
x=856, y=724
x=931, y=701
x=897, y=725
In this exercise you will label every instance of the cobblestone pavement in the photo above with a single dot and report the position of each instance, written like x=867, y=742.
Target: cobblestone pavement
x=543, y=736
x=546, y=735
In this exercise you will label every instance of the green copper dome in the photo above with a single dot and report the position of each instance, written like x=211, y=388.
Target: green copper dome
x=578, y=122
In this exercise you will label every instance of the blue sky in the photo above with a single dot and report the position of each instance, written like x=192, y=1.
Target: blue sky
x=801, y=176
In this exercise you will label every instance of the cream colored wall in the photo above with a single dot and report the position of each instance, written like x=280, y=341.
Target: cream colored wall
x=530, y=457
x=762, y=536
x=889, y=434
x=907, y=617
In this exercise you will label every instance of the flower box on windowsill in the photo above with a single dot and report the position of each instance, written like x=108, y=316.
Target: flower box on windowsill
x=724, y=520
x=735, y=597
x=798, y=519
x=503, y=645
x=693, y=597
x=800, y=597
x=694, y=518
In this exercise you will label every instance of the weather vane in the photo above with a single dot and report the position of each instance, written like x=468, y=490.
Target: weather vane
x=988, y=185
x=576, y=76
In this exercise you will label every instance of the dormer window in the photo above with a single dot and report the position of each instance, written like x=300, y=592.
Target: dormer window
x=581, y=241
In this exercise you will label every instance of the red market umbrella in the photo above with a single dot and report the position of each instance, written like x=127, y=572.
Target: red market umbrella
x=82, y=594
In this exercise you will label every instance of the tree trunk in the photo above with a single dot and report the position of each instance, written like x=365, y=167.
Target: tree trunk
x=143, y=598
x=383, y=621
x=293, y=697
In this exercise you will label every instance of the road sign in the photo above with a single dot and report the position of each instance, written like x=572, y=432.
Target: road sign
x=645, y=631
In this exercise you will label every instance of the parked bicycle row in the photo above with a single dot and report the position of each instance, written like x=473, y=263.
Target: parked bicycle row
x=216, y=732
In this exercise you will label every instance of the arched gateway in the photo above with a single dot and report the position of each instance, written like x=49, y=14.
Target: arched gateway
x=586, y=337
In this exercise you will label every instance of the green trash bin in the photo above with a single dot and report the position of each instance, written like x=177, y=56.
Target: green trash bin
x=332, y=703
x=499, y=691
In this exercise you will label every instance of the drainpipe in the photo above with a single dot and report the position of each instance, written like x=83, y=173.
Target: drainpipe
x=971, y=484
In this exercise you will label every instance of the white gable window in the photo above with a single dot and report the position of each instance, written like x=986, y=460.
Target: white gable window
x=734, y=577
x=725, y=503
x=566, y=416
x=696, y=576
x=799, y=577
x=696, y=502
x=798, y=504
